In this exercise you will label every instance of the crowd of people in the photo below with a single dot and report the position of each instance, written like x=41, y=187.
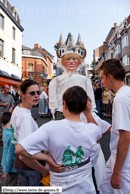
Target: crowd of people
x=104, y=99
x=44, y=110
x=72, y=142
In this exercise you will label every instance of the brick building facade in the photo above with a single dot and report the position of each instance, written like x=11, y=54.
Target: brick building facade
x=37, y=63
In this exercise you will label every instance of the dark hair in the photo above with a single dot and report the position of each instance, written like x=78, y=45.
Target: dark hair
x=99, y=84
x=6, y=117
x=76, y=99
x=27, y=83
x=113, y=67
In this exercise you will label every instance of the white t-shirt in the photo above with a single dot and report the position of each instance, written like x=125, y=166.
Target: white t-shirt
x=22, y=123
x=103, y=124
x=67, y=142
x=43, y=95
x=120, y=117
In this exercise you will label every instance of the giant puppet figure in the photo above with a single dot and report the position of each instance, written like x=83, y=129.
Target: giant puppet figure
x=69, y=78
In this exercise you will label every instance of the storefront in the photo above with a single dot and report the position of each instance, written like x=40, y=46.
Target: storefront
x=12, y=80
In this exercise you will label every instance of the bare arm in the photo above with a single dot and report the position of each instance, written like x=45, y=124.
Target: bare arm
x=34, y=164
x=108, y=131
x=4, y=104
x=39, y=156
x=88, y=113
x=47, y=101
x=11, y=108
x=122, y=150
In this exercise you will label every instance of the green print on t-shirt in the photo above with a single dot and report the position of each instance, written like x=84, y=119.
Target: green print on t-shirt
x=69, y=156
x=13, y=140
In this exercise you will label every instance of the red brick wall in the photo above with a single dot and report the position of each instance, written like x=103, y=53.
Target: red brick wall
x=38, y=65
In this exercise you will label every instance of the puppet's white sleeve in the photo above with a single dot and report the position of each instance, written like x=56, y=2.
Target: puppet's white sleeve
x=90, y=93
x=53, y=95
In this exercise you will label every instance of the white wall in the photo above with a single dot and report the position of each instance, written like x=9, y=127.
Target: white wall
x=9, y=42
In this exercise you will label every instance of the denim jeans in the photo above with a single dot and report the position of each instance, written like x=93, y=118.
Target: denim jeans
x=99, y=107
x=30, y=177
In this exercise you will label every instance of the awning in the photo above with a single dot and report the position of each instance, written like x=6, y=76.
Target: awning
x=10, y=82
x=6, y=79
x=15, y=76
x=4, y=72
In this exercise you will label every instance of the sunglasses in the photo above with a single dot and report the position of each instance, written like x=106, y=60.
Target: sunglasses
x=33, y=93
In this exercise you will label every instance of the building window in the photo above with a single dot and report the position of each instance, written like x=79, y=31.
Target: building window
x=78, y=51
x=117, y=49
x=125, y=41
x=13, y=33
x=62, y=51
x=13, y=55
x=1, y=48
x=125, y=60
x=28, y=52
x=111, y=55
x=1, y=21
x=30, y=67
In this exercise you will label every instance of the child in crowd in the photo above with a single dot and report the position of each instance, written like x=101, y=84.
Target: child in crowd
x=70, y=142
x=100, y=165
x=8, y=158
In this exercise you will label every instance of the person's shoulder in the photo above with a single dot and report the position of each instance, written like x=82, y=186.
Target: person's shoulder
x=123, y=95
x=123, y=92
x=9, y=96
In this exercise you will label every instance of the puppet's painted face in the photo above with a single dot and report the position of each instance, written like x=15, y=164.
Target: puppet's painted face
x=71, y=64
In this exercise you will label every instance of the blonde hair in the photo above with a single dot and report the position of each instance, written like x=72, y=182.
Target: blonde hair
x=70, y=55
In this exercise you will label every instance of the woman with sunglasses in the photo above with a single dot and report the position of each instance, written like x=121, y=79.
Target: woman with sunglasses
x=23, y=124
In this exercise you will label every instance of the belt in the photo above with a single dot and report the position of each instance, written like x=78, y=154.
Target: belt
x=73, y=167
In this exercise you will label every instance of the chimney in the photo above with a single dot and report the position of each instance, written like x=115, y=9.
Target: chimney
x=36, y=46
x=115, y=26
x=105, y=42
x=40, y=47
x=128, y=19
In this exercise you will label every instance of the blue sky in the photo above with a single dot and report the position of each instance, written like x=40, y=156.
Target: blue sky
x=44, y=20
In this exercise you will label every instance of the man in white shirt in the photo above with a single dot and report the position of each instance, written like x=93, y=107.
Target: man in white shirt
x=116, y=178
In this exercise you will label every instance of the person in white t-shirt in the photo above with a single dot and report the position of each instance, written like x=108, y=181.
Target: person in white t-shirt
x=43, y=104
x=70, y=142
x=99, y=168
x=116, y=179
x=23, y=125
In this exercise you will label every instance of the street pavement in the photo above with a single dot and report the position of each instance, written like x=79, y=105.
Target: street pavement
x=104, y=142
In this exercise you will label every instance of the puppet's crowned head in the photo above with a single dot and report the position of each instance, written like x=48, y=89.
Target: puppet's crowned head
x=70, y=60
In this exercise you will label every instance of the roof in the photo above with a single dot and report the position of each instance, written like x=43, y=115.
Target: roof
x=25, y=48
x=79, y=40
x=70, y=41
x=61, y=41
x=109, y=33
x=37, y=53
x=11, y=16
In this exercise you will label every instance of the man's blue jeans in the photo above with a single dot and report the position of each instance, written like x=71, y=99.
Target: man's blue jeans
x=30, y=177
x=99, y=107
